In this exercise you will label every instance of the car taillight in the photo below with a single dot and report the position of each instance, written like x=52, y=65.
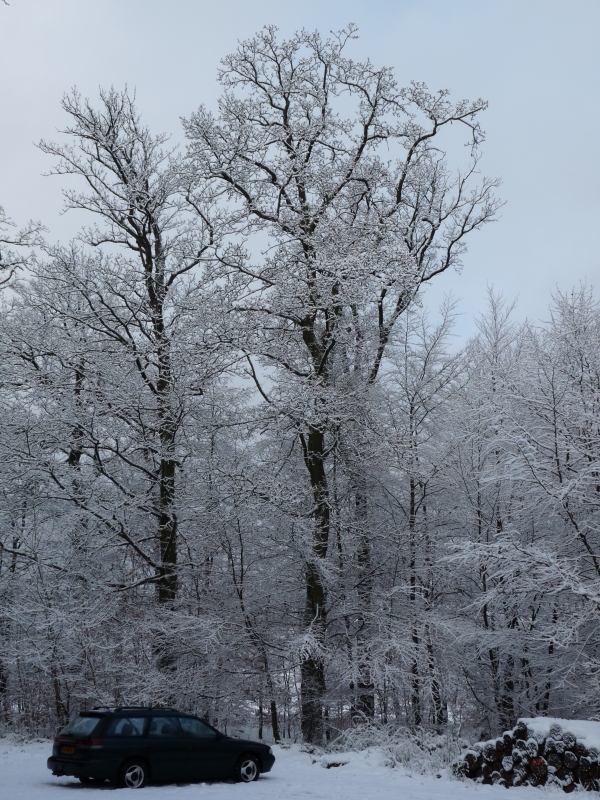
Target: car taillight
x=90, y=742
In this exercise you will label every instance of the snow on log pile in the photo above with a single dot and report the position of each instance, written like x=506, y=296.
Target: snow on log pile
x=538, y=751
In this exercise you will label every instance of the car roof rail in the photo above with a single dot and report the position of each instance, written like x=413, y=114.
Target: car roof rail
x=133, y=708
x=144, y=708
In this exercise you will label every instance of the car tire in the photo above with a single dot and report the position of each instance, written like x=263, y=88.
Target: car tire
x=134, y=774
x=246, y=769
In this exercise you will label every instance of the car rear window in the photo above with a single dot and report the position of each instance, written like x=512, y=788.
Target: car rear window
x=81, y=726
x=126, y=726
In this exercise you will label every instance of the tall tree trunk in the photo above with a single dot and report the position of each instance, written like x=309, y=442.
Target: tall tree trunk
x=260, y=718
x=312, y=668
x=167, y=583
x=255, y=636
x=364, y=707
x=167, y=430
x=275, y=721
x=167, y=527
x=440, y=713
x=417, y=713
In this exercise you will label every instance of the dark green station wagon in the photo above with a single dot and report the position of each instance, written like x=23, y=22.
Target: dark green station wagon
x=131, y=746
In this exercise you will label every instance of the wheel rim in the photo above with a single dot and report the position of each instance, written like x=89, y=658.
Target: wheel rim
x=248, y=770
x=134, y=776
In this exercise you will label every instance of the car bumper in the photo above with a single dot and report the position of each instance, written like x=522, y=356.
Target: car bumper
x=90, y=768
x=267, y=763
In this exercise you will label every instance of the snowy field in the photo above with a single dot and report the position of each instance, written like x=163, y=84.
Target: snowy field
x=24, y=776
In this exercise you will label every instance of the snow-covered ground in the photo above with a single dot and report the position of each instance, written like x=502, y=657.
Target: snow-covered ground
x=24, y=776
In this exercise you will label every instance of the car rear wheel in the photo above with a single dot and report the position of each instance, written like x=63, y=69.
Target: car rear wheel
x=246, y=769
x=133, y=774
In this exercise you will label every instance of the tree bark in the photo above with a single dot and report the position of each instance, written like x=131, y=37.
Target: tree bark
x=364, y=707
x=275, y=722
x=312, y=668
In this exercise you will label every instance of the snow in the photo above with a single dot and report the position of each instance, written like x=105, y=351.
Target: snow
x=24, y=776
x=585, y=731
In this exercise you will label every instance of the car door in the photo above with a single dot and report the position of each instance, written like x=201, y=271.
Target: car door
x=165, y=749
x=207, y=753
x=124, y=737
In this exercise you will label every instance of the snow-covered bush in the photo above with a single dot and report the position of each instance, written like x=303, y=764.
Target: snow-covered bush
x=420, y=751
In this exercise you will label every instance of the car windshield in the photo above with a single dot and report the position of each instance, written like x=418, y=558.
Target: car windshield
x=80, y=726
x=196, y=729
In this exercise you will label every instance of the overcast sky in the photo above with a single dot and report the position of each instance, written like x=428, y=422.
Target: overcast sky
x=536, y=61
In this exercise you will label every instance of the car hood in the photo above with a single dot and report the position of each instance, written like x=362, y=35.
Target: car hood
x=247, y=742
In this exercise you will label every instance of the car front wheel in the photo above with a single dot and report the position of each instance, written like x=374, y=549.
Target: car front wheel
x=133, y=774
x=246, y=769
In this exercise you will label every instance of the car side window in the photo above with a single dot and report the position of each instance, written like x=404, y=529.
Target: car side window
x=164, y=727
x=126, y=726
x=196, y=729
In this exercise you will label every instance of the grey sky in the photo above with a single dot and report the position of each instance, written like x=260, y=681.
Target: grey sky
x=536, y=61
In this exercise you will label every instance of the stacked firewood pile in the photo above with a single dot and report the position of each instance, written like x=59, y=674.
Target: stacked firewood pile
x=524, y=757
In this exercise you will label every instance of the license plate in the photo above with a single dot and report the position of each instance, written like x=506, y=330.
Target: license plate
x=68, y=751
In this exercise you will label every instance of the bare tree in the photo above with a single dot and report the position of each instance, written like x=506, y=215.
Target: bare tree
x=11, y=260
x=137, y=296
x=301, y=146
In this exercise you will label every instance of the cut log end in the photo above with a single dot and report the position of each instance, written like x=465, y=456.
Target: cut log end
x=529, y=757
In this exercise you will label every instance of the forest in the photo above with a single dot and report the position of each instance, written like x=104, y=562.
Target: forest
x=243, y=471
